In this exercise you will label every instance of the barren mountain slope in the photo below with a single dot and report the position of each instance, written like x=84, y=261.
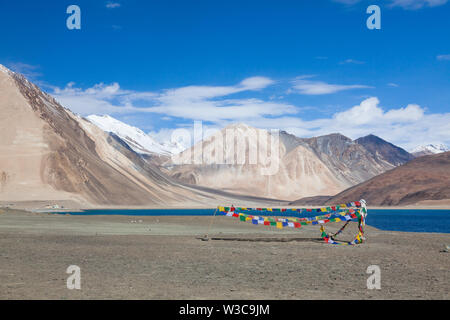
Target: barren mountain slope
x=383, y=149
x=424, y=178
x=25, y=147
x=349, y=161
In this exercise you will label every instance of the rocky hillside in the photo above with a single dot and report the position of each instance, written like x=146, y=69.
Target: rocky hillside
x=424, y=178
x=349, y=160
x=385, y=150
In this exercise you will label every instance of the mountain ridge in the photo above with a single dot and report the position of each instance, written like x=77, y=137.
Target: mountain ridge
x=390, y=152
x=308, y=166
x=429, y=149
x=422, y=179
x=51, y=153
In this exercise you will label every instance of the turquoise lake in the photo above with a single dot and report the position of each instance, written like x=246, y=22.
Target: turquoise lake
x=390, y=219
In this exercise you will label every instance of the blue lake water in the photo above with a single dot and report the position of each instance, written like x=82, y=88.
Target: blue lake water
x=389, y=219
x=410, y=220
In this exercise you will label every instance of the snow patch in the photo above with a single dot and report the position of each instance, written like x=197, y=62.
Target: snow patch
x=138, y=140
x=4, y=69
x=431, y=148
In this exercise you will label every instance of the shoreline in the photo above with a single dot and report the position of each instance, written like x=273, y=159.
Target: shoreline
x=212, y=208
x=62, y=210
x=71, y=206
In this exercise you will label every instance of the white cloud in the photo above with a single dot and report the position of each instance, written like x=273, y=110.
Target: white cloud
x=368, y=112
x=310, y=87
x=207, y=103
x=112, y=5
x=392, y=84
x=364, y=113
x=352, y=61
x=411, y=113
x=416, y=4
x=256, y=83
x=405, y=4
x=443, y=57
x=99, y=99
x=406, y=126
x=28, y=70
x=348, y=2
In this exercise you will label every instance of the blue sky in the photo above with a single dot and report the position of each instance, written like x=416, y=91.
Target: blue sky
x=309, y=67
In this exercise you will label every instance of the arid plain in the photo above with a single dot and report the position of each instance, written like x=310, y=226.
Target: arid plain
x=124, y=257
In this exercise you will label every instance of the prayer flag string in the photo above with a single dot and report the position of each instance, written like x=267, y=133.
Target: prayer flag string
x=352, y=211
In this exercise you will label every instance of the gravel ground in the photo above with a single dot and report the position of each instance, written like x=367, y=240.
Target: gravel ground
x=123, y=257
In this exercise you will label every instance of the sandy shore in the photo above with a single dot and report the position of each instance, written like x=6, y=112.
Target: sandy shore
x=127, y=257
x=72, y=206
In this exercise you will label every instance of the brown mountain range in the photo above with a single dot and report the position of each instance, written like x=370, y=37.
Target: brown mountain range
x=424, y=178
x=48, y=153
x=306, y=166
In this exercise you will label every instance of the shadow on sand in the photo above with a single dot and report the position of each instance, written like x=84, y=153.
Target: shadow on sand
x=262, y=239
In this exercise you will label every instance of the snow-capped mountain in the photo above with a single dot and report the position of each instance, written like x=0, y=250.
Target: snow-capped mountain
x=429, y=149
x=137, y=139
